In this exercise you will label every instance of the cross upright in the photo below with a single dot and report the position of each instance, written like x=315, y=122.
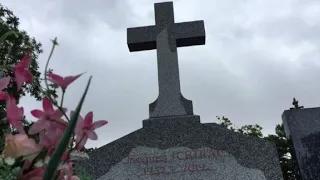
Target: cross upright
x=166, y=36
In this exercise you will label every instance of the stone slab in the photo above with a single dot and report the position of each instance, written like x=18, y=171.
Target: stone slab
x=303, y=127
x=240, y=156
x=180, y=163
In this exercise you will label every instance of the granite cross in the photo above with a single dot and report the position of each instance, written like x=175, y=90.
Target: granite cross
x=166, y=36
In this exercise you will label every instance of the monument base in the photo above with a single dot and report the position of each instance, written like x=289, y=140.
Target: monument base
x=180, y=147
x=171, y=121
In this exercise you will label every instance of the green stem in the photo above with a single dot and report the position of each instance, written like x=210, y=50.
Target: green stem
x=61, y=103
x=55, y=43
x=79, y=141
x=47, y=64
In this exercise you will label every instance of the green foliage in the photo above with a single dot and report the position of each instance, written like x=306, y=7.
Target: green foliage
x=288, y=166
x=6, y=172
x=250, y=130
x=12, y=49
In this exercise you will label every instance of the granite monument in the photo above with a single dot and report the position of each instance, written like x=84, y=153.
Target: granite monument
x=173, y=144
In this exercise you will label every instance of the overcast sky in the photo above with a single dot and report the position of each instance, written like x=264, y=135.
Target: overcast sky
x=258, y=56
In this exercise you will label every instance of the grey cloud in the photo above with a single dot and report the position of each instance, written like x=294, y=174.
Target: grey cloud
x=116, y=14
x=255, y=60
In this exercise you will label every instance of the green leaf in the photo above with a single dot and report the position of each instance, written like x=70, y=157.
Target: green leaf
x=63, y=144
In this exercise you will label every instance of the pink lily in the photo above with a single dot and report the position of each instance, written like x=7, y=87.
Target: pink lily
x=63, y=82
x=21, y=72
x=4, y=82
x=52, y=136
x=46, y=118
x=85, y=129
x=15, y=114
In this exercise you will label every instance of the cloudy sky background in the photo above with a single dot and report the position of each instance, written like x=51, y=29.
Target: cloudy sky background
x=259, y=54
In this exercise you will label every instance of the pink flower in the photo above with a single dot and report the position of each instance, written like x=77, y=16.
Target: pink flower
x=36, y=174
x=4, y=82
x=52, y=136
x=63, y=82
x=21, y=72
x=46, y=118
x=85, y=129
x=15, y=114
x=20, y=145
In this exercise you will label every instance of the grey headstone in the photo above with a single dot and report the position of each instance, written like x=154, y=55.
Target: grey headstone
x=233, y=156
x=166, y=36
x=303, y=127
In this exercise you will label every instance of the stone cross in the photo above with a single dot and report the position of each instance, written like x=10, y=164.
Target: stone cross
x=295, y=104
x=166, y=36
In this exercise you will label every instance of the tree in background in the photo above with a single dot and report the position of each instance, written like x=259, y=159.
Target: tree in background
x=289, y=168
x=12, y=49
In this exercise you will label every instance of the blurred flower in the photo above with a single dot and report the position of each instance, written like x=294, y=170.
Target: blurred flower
x=47, y=117
x=20, y=145
x=63, y=82
x=15, y=114
x=21, y=71
x=85, y=129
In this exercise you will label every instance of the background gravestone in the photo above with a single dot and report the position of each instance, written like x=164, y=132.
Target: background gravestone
x=302, y=127
x=173, y=144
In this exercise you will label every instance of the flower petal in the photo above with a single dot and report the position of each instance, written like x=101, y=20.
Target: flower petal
x=37, y=113
x=79, y=125
x=55, y=78
x=45, y=140
x=82, y=143
x=98, y=124
x=58, y=114
x=27, y=76
x=35, y=174
x=47, y=105
x=14, y=113
x=78, y=138
x=88, y=119
x=25, y=62
x=4, y=82
x=69, y=79
x=38, y=126
x=3, y=95
x=19, y=75
x=92, y=135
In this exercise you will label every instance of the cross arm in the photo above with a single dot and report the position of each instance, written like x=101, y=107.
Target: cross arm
x=141, y=38
x=189, y=33
x=185, y=33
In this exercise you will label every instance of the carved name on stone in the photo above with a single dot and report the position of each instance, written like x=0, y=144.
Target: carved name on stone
x=180, y=163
